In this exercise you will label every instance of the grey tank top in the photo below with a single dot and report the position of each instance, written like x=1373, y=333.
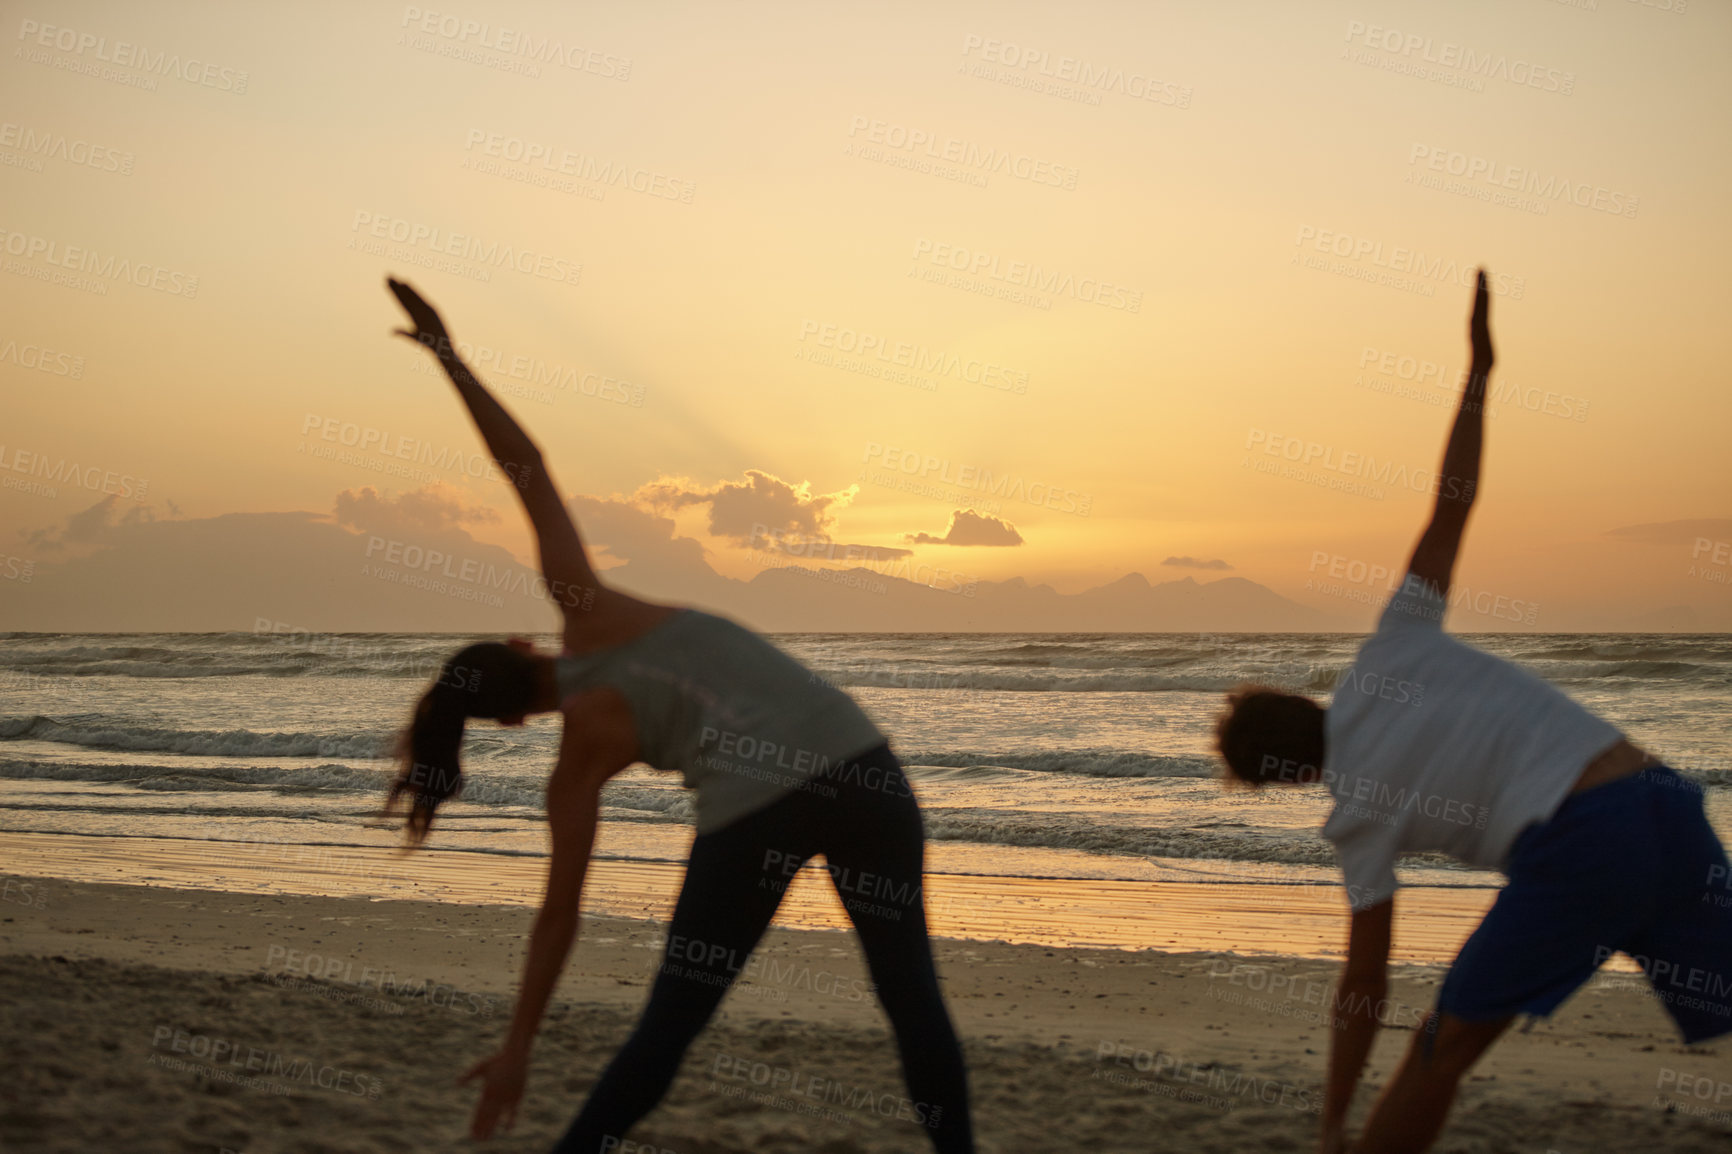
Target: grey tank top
x=742, y=721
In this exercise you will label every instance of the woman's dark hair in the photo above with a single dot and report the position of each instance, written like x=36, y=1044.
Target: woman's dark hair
x=1269, y=735
x=486, y=680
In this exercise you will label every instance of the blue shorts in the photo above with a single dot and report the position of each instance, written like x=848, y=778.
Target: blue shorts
x=1629, y=867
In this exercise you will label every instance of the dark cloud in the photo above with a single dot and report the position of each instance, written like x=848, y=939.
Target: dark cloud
x=833, y=550
x=970, y=528
x=746, y=511
x=765, y=512
x=1195, y=563
x=648, y=557
x=1676, y=532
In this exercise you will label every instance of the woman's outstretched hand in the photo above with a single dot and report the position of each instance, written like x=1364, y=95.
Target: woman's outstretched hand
x=502, y=1080
x=429, y=330
x=1479, y=329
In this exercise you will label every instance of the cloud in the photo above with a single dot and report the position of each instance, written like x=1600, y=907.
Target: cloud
x=396, y=564
x=765, y=512
x=762, y=504
x=652, y=560
x=432, y=508
x=970, y=528
x=1676, y=532
x=92, y=526
x=1195, y=563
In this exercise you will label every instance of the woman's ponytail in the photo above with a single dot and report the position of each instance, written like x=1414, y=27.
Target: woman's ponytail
x=428, y=766
x=487, y=680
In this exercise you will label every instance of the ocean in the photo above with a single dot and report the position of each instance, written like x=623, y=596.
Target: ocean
x=1034, y=755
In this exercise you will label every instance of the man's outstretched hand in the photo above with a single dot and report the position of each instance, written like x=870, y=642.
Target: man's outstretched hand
x=429, y=330
x=1479, y=329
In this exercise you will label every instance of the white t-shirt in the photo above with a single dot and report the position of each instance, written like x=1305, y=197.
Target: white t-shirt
x=1433, y=745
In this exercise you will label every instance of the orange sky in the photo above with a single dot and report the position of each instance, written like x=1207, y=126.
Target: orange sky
x=1137, y=249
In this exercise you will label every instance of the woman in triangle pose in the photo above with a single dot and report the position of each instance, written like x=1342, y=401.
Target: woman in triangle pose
x=784, y=767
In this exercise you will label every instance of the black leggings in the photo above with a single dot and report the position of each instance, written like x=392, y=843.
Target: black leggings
x=864, y=820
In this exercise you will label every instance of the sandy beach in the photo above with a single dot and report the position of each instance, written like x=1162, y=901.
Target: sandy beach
x=158, y=1018
x=1118, y=477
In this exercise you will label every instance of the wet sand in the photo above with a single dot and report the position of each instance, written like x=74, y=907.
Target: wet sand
x=1289, y=920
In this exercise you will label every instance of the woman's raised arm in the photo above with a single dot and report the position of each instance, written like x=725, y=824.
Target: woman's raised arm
x=571, y=582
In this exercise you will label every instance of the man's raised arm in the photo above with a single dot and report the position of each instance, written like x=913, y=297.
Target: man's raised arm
x=1458, y=478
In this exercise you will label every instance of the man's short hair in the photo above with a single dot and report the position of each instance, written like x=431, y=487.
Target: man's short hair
x=1268, y=735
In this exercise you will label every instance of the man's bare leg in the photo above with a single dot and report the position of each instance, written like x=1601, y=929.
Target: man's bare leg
x=1410, y=1113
